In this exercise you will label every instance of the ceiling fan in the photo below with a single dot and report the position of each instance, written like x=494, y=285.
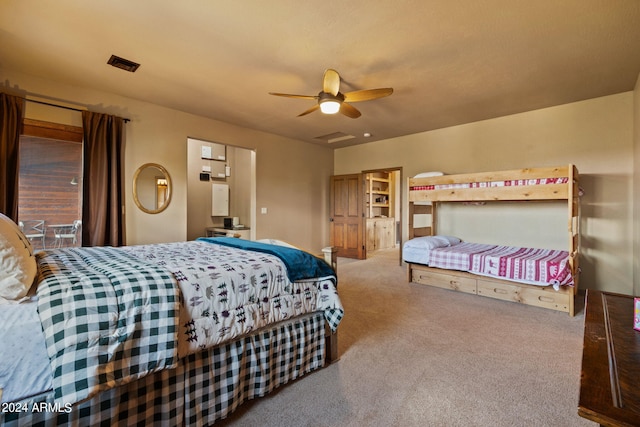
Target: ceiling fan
x=331, y=100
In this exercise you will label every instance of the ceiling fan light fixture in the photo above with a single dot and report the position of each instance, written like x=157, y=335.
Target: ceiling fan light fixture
x=331, y=101
x=329, y=106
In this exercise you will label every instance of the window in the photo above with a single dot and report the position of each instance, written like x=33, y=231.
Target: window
x=50, y=179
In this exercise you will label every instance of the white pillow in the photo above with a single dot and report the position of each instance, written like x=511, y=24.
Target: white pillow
x=276, y=242
x=431, y=242
x=428, y=174
x=18, y=268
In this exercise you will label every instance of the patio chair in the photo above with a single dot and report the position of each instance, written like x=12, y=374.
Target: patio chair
x=34, y=229
x=66, y=234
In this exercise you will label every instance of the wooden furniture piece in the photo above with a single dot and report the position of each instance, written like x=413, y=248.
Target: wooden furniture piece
x=380, y=222
x=378, y=194
x=380, y=233
x=426, y=194
x=330, y=255
x=609, y=389
x=240, y=232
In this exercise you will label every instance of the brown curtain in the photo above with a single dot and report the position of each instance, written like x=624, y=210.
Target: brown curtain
x=11, y=112
x=102, y=207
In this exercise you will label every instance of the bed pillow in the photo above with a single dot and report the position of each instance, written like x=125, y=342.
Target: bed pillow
x=428, y=174
x=18, y=267
x=276, y=242
x=432, y=242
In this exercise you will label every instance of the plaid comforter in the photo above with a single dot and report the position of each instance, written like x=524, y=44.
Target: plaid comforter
x=108, y=319
x=112, y=315
x=457, y=257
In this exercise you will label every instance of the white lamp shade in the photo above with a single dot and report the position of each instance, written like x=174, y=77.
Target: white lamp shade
x=329, y=107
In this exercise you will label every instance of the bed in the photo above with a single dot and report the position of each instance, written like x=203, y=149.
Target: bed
x=164, y=334
x=535, y=276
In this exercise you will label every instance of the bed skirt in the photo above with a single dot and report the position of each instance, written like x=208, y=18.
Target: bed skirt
x=205, y=387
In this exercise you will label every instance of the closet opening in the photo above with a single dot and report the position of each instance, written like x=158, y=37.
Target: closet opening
x=383, y=211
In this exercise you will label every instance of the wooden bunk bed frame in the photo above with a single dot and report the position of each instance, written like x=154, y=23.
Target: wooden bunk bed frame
x=541, y=296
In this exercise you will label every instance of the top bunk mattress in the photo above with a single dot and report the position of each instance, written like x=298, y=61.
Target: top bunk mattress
x=542, y=267
x=491, y=184
x=547, y=183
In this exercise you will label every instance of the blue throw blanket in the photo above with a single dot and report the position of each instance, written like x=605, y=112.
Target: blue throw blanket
x=300, y=264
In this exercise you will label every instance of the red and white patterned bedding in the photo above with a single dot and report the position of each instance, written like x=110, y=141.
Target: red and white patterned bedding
x=527, y=265
x=457, y=257
x=542, y=267
x=508, y=183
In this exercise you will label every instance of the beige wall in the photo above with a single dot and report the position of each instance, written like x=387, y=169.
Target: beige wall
x=292, y=176
x=636, y=189
x=595, y=135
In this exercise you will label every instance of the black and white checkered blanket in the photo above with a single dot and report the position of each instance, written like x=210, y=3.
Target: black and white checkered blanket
x=113, y=315
x=108, y=319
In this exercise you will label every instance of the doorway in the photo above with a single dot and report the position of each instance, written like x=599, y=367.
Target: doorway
x=366, y=212
x=383, y=210
x=49, y=180
x=232, y=170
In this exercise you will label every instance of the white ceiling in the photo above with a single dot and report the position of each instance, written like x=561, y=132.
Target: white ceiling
x=449, y=61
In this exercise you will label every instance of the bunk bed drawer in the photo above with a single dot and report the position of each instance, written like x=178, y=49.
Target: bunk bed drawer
x=539, y=297
x=443, y=280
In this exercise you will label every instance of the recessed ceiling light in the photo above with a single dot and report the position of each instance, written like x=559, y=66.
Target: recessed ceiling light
x=366, y=135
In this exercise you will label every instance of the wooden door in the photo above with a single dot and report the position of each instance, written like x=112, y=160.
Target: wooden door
x=347, y=215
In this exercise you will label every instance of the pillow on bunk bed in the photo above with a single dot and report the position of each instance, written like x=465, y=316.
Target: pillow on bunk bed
x=431, y=242
x=418, y=250
x=18, y=266
x=428, y=174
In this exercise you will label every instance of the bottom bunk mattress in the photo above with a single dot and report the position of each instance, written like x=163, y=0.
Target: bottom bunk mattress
x=532, y=266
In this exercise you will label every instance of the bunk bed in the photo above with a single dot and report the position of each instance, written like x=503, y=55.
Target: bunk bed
x=427, y=193
x=164, y=334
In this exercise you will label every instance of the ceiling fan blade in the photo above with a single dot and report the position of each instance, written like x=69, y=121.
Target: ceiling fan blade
x=288, y=95
x=310, y=110
x=349, y=110
x=331, y=82
x=367, y=94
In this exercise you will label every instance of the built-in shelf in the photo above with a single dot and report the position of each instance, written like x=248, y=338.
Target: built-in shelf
x=380, y=224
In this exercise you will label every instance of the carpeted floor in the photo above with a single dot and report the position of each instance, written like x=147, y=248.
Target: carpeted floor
x=413, y=355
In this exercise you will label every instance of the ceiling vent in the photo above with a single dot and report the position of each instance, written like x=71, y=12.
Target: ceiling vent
x=335, y=137
x=122, y=63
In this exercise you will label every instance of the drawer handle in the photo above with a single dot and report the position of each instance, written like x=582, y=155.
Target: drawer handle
x=545, y=299
x=453, y=284
x=499, y=291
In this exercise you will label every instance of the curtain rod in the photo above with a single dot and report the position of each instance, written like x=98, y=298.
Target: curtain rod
x=61, y=106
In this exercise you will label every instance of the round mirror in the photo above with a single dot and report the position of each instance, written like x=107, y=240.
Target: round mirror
x=152, y=188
